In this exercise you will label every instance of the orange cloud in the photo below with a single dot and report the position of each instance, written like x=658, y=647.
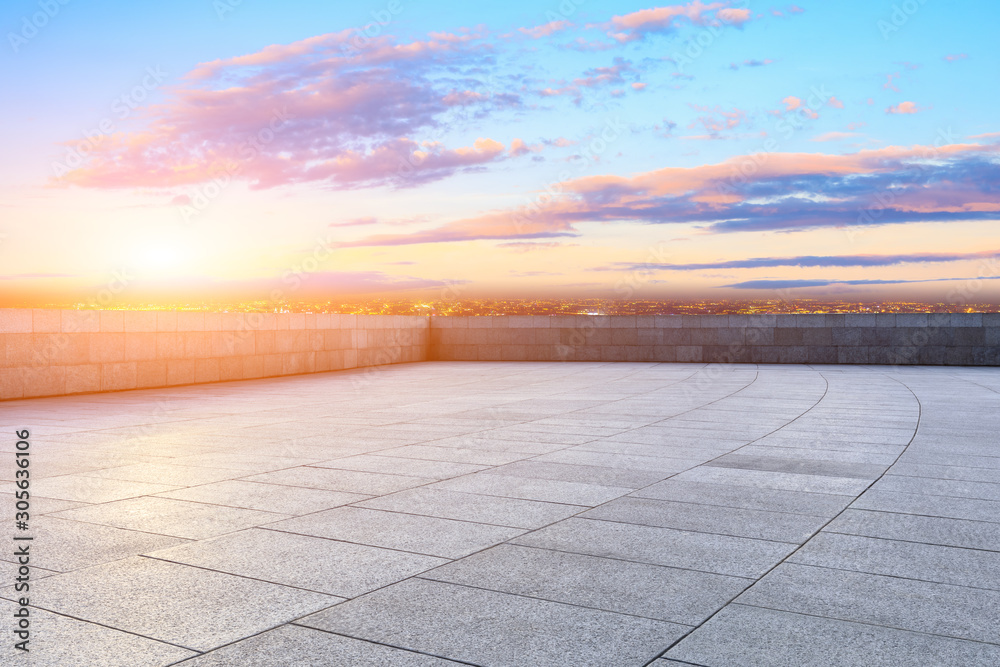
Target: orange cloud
x=791, y=103
x=903, y=108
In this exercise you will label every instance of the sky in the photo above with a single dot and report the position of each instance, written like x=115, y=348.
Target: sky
x=240, y=149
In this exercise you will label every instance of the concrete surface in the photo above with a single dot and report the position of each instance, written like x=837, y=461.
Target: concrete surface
x=517, y=513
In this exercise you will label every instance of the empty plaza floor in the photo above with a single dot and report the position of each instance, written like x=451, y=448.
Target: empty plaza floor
x=515, y=514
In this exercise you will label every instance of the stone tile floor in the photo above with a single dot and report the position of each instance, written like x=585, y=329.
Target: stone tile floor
x=524, y=514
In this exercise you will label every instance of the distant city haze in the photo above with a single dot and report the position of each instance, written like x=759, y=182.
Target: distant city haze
x=403, y=306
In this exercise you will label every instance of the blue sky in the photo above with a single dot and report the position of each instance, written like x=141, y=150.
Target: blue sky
x=848, y=107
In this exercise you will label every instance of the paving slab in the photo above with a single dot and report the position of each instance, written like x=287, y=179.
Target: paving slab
x=401, y=466
x=306, y=647
x=725, y=495
x=431, y=536
x=785, y=450
x=742, y=636
x=787, y=481
x=456, y=454
x=291, y=500
x=652, y=591
x=553, y=491
x=40, y=506
x=941, y=506
x=93, y=489
x=505, y=630
x=905, y=604
x=759, y=524
x=663, y=465
x=946, y=456
x=10, y=569
x=916, y=528
x=496, y=510
x=743, y=461
x=584, y=474
x=947, y=472
x=165, y=473
x=705, y=552
x=928, y=562
x=481, y=442
x=181, y=605
x=348, y=481
x=313, y=563
x=165, y=516
x=58, y=641
x=62, y=545
x=955, y=488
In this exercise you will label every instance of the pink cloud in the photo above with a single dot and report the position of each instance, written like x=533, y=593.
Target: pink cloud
x=834, y=136
x=546, y=29
x=725, y=197
x=594, y=77
x=276, y=53
x=303, y=112
x=795, y=9
x=599, y=76
x=355, y=222
x=519, y=147
x=637, y=25
x=957, y=56
x=529, y=246
x=403, y=160
x=716, y=120
x=889, y=85
x=904, y=108
x=462, y=97
x=638, y=86
x=791, y=103
x=835, y=103
x=736, y=17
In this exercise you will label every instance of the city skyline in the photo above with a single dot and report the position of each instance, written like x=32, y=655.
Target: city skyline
x=699, y=152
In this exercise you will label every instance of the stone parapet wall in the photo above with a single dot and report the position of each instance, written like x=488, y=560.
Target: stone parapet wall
x=57, y=352
x=964, y=339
